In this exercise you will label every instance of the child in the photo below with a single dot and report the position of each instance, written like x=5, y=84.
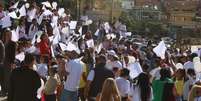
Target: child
x=52, y=83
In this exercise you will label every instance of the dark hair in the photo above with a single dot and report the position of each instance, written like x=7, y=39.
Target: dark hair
x=29, y=58
x=42, y=36
x=165, y=73
x=53, y=63
x=124, y=72
x=182, y=71
x=191, y=72
x=87, y=57
x=145, y=86
x=59, y=56
x=102, y=58
x=53, y=70
x=193, y=55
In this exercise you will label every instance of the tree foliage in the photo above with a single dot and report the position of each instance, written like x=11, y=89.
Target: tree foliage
x=142, y=26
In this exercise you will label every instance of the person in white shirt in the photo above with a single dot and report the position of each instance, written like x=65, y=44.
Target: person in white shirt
x=22, y=28
x=155, y=73
x=123, y=84
x=33, y=29
x=113, y=62
x=74, y=69
x=42, y=68
x=189, y=64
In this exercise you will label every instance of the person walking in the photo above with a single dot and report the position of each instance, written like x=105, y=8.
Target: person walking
x=24, y=81
x=75, y=70
x=123, y=84
x=96, y=78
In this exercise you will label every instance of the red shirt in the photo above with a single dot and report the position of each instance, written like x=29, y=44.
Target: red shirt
x=44, y=48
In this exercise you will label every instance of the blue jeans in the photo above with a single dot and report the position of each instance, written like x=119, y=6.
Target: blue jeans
x=179, y=98
x=69, y=95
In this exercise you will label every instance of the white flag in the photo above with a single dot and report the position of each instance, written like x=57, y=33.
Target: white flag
x=22, y=11
x=6, y=22
x=47, y=4
x=97, y=32
x=20, y=56
x=135, y=69
x=98, y=48
x=160, y=50
x=107, y=27
x=90, y=43
x=15, y=5
x=61, y=11
x=57, y=36
x=13, y=15
x=63, y=46
x=73, y=24
x=15, y=35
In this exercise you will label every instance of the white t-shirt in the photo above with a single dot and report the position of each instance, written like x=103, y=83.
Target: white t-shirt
x=2, y=14
x=188, y=65
x=155, y=73
x=31, y=15
x=123, y=86
x=75, y=69
x=32, y=30
x=42, y=70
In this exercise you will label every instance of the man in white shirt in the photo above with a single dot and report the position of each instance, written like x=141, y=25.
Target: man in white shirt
x=74, y=69
x=189, y=64
x=42, y=68
x=123, y=84
x=33, y=29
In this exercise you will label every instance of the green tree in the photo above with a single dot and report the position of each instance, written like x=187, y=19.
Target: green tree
x=142, y=26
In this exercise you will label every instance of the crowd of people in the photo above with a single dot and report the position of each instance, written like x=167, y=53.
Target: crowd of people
x=46, y=55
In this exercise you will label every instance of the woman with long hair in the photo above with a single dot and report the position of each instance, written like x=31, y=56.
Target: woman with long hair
x=142, y=90
x=110, y=91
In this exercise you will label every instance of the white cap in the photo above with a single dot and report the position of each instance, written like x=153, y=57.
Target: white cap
x=117, y=64
x=196, y=59
x=47, y=4
x=113, y=53
x=179, y=66
x=54, y=66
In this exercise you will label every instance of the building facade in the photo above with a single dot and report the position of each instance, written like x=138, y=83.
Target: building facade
x=127, y=4
x=181, y=12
